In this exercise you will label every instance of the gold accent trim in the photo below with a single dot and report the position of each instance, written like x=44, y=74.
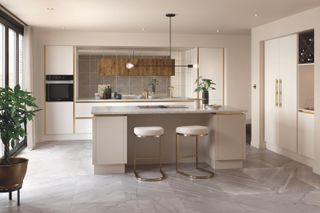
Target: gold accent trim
x=307, y=111
x=223, y=76
x=135, y=158
x=228, y=113
x=209, y=175
x=83, y=117
x=74, y=90
x=44, y=86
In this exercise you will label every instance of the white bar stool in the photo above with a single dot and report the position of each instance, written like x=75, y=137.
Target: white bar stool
x=143, y=132
x=195, y=131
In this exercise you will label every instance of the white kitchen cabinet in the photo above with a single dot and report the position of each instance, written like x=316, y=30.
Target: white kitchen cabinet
x=109, y=140
x=59, y=118
x=281, y=92
x=59, y=60
x=306, y=134
x=83, y=126
x=211, y=65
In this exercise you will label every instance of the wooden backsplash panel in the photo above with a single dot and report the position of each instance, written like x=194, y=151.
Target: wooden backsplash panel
x=116, y=66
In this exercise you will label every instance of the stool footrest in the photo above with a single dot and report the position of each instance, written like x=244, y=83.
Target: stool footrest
x=209, y=175
x=163, y=176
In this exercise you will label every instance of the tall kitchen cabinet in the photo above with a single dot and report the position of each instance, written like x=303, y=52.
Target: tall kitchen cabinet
x=211, y=65
x=281, y=64
x=59, y=115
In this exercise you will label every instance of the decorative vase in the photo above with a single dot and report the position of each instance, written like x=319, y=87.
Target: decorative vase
x=205, y=97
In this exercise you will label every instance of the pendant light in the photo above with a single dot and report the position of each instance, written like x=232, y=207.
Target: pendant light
x=130, y=65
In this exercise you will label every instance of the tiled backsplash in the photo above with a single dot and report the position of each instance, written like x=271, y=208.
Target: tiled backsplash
x=89, y=80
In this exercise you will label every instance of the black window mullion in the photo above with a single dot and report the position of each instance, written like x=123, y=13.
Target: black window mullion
x=17, y=58
x=6, y=56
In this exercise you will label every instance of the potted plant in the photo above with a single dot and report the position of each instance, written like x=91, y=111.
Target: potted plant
x=204, y=85
x=16, y=108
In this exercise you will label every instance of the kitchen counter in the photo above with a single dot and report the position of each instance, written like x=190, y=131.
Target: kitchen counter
x=113, y=137
x=135, y=100
x=160, y=109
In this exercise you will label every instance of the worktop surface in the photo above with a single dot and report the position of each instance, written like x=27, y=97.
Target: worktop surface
x=160, y=109
x=135, y=100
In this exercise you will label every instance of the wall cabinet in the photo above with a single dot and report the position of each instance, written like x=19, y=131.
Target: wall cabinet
x=59, y=60
x=281, y=92
x=211, y=65
x=59, y=118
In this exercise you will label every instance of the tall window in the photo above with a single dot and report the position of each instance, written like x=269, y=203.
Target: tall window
x=11, y=63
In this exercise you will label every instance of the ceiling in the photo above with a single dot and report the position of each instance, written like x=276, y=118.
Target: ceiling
x=193, y=16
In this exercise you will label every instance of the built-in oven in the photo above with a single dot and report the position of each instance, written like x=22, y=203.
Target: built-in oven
x=59, y=88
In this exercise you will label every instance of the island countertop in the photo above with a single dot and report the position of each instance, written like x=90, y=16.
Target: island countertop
x=135, y=100
x=160, y=109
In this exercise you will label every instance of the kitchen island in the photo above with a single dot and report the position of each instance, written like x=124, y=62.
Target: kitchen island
x=113, y=136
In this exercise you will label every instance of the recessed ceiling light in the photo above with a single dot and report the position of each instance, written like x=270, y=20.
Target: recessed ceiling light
x=256, y=15
x=218, y=31
x=50, y=8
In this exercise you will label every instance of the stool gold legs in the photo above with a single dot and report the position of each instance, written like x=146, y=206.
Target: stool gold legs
x=163, y=176
x=209, y=175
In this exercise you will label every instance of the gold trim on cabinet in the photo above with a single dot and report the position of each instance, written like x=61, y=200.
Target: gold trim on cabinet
x=307, y=111
x=228, y=113
x=280, y=92
x=45, y=94
x=277, y=93
x=84, y=117
x=74, y=90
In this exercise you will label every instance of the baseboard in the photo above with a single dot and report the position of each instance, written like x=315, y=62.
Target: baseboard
x=291, y=155
x=66, y=137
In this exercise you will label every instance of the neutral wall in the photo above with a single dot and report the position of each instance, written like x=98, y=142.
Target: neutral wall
x=237, y=57
x=292, y=24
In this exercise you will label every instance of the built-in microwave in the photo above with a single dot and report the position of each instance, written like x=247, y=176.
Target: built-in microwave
x=59, y=88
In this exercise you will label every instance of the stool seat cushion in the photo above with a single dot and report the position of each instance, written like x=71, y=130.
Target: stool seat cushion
x=146, y=131
x=192, y=130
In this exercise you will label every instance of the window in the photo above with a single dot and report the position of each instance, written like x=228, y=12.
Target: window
x=11, y=55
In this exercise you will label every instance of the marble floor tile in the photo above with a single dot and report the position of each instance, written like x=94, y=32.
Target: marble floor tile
x=60, y=179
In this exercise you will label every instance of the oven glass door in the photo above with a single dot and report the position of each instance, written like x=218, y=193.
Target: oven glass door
x=59, y=92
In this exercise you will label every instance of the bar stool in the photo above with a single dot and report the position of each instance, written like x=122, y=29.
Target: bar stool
x=144, y=132
x=195, y=131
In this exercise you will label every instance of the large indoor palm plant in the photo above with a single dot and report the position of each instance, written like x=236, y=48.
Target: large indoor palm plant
x=16, y=108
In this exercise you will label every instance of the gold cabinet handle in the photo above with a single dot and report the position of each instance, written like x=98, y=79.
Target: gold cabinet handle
x=280, y=92
x=276, y=93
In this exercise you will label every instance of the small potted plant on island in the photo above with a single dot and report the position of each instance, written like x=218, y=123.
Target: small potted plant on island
x=16, y=108
x=204, y=85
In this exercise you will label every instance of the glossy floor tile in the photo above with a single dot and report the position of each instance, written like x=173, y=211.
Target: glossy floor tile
x=60, y=179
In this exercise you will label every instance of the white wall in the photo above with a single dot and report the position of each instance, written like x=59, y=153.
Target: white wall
x=292, y=24
x=237, y=57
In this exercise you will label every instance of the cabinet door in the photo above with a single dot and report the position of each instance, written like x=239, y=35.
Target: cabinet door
x=229, y=145
x=270, y=76
x=288, y=111
x=211, y=66
x=306, y=134
x=59, y=118
x=59, y=60
x=109, y=140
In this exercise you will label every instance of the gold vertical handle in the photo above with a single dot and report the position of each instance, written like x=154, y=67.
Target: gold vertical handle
x=277, y=92
x=280, y=92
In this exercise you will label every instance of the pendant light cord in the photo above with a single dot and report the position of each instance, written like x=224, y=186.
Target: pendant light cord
x=170, y=36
